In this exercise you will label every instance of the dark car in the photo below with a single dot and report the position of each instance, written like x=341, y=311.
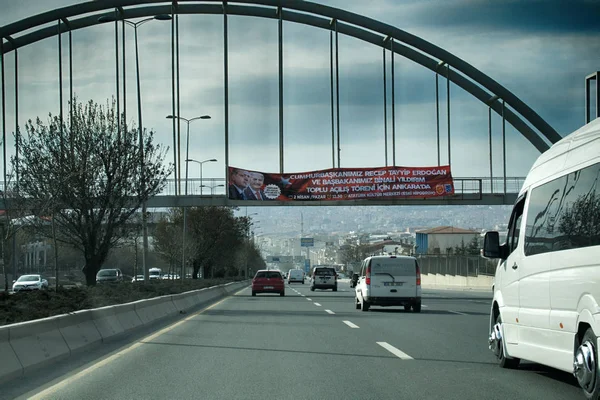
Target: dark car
x=113, y=275
x=268, y=281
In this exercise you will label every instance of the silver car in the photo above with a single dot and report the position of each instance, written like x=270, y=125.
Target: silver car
x=30, y=282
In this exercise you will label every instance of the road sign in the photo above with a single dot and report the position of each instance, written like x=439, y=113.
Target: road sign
x=307, y=266
x=307, y=242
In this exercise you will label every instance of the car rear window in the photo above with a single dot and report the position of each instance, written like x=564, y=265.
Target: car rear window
x=394, y=266
x=107, y=272
x=274, y=275
x=261, y=274
x=324, y=271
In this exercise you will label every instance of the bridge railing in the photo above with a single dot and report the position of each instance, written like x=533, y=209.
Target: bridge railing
x=463, y=187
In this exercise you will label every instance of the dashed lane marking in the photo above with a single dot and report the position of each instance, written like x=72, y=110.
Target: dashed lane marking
x=350, y=324
x=397, y=352
x=329, y=311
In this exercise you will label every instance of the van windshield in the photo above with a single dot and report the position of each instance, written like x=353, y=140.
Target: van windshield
x=393, y=266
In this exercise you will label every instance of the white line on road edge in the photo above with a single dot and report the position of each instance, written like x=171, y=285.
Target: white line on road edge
x=423, y=305
x=308, y=299
x=350, y=324
x=317, y=304
x=456, y=312
x=395, y=351
x=303, y=295
x=329, y=311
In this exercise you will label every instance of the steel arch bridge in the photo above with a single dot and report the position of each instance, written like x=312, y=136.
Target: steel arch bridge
x=391, y=39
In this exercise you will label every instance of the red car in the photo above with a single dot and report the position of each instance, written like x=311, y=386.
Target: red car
x=268, y=281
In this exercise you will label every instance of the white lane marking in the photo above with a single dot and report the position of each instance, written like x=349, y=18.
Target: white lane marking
x=317, y=304
x=309, y=299
x=398, y=353
x=120, y=353
x=423, y=305
x=456, y=312
x=329, y=311
x=350, y=324
x=302, y=295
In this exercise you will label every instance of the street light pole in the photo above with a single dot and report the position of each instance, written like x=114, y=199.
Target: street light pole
x=187, y=153
x=200, y=163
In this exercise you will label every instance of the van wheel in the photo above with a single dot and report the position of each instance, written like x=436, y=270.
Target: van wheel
x=365, y=306
x=497, y=346
x=356, y=303
x=335, y=289
x=407, y=307
x=586, y=364
x=312, y=289
x=417, y=307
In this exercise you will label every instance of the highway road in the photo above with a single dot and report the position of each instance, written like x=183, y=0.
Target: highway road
x=311, y=345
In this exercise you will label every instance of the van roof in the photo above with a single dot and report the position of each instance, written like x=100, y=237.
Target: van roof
x=400, y=257
x=553, y=161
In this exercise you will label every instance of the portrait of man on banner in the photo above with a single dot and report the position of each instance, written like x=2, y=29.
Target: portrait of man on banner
x=239, y=180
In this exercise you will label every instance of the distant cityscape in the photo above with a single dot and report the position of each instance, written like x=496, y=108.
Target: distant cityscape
x=277, y=230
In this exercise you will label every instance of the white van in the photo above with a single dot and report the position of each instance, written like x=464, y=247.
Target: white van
x=295, y=275
x=389, y=281
x=546, y=304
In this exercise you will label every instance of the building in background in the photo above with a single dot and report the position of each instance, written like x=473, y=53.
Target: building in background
x=443, y=239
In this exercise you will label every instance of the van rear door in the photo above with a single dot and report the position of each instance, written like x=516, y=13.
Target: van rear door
x=393, y=277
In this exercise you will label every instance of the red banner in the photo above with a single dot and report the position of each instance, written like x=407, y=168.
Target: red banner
x=342, y=184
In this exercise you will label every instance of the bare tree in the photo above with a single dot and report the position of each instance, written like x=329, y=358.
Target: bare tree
x=90, y=173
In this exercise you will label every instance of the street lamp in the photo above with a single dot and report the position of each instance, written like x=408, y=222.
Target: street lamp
x=135, y=25
x=211, y=187
x=187, y=150
x=187, y=139
x=201, y=163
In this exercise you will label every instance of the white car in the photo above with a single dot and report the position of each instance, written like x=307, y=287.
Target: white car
x=389, y=281
x=546, y=294
x=30, y=282
x=137, y=278
x=295, y=275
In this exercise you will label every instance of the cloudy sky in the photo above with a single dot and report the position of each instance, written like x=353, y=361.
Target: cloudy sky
x=540, y=50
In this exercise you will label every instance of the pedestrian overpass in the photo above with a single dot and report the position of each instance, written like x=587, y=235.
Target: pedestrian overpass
x=65, y=22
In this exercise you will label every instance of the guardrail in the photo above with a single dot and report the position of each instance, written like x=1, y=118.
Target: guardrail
x=26, y=346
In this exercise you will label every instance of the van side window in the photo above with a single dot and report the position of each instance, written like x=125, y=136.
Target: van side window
x=514, y=227
x=564, y=213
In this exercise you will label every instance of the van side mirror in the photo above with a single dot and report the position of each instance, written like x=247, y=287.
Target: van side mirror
x=491, y=245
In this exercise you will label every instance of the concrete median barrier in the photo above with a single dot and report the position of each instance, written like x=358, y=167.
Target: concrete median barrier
x=38, y=342
x=127, y=316
x=10, y=366
x=106, y=321
x=185, y=301
x=78, y=330
x=28, y=345
x=154, y=309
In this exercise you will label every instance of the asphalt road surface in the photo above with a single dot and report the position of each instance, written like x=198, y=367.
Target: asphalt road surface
x=313, y=345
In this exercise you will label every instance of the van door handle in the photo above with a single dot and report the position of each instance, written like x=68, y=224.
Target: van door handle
x=515, y=266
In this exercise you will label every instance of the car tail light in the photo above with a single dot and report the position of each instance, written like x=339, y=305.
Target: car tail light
x=368, y=274
x=418, y=275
